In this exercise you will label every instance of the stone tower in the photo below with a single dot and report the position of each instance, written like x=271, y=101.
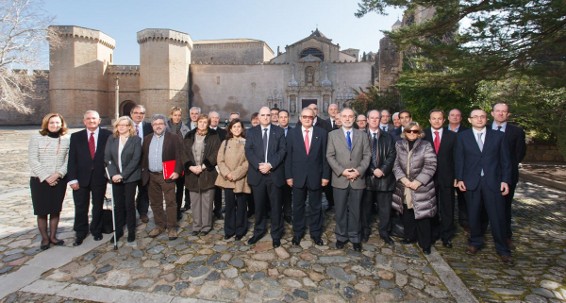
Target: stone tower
x=165, y=56
x=78, y=63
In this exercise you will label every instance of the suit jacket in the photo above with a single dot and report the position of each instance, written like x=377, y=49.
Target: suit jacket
x=221, y=133
x=396, y=134
x=322, y=123
x=386, y=158
x=390, y=127
x=515, y=137
x=172, y=150
x=130, y=157
x=460, y=129
x=88, y=171
x=494, y=159
x=444, y=175
x=340, y=157
x=276, y=150
x=330, y=123
x=307, y=170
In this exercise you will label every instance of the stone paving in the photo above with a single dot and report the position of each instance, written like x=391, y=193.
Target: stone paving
x=202, y=269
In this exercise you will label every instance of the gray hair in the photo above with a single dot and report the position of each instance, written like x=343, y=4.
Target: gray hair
x=158, y=117
x=195, y=108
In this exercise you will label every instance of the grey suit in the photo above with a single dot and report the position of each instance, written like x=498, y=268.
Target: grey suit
x=348, y=194
x=124, y=192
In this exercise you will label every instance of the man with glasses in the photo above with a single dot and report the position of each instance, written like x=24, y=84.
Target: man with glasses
x=348, y=154
x=362, y=122
x=483, y=172
x=142, y=129
x=307, y=171
x=265, y=150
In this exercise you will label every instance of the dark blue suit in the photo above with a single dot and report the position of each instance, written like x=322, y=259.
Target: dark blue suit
x=266, y=187
x=307, y=172
x=484, y=191
x=90, y=174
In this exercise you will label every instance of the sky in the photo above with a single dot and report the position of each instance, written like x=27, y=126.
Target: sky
x=278, y=23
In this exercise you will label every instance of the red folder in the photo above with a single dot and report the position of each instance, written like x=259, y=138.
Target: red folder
x=169, y=169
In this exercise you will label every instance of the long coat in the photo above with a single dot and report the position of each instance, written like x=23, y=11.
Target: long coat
x=418, y=164
x=387, y=154
x=205, y=180
x=232, y=159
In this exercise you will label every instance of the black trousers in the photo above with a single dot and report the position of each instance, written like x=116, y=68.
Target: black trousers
x=217, y=201
x=179, y=191
x=462, y=208
x=443, y=223
x=310, y=214
x=287, y=201
x=508, y=210
x=483, y=198
x=142, y=200
x=124, y=206
x=82, y=197
x=383, y=199
x=268, y=194
x=416, y=229
x=235, y=215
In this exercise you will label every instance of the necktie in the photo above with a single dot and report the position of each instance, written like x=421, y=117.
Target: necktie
x=264, y=138
x=137, y=129
x=499, y=128
x=307, y=145
x=436, y=141
x=91, y=146
x=480, y=142
x=349, y=140
x=384, y=128
x=374, y=148
x=332, y=123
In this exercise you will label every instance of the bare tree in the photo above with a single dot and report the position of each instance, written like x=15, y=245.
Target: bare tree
x=23, y=33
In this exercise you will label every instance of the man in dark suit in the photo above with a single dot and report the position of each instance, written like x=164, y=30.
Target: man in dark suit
x=307, y=171
x=443, y=142
x=324, y=124
x=348, y=154
x=265, y=150
x=455, y=125
x=385, y=121
x=483, y=171
x=160, y=147
x=515, y=137
x=380, y=180
x=332, y=116
x=283, y=119
x=214, y=122
x=142, y=129
x=87, y=176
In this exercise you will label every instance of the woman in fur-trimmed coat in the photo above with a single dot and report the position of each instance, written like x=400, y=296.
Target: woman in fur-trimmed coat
x=414, y=195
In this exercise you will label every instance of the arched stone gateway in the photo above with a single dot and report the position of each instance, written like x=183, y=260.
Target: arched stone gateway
x=126, y=107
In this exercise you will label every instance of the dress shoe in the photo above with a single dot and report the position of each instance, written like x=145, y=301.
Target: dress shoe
x=318, y=241
x=296, y=240
x=226, y=237
x=507, y=260
x=340, y=244
x=144, y=218
x=218, y=216
x=131, y=237
x=97, y=237
x=472, y=250
x=78, y=241
x=253, y=240
x=172, y=233
x=155, y=232
x=57, y=242
x=426, y=251
x=288, y=219
x=204, y=232
x=238, y=237
x=407, y=241
x=179, y=216
x=447, y=244
x=357, y=247
x=388, y=240
x=195, y=233
x=276, y=243
x=44, y=246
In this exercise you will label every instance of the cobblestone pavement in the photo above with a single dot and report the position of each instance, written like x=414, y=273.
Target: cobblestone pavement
x=198, y=269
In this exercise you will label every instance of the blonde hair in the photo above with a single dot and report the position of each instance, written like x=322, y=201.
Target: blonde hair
x=132, y=131
x=411, y=125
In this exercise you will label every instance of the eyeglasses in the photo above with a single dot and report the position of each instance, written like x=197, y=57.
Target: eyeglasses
x=412, y=131
x=139, y=113
x=307, y=117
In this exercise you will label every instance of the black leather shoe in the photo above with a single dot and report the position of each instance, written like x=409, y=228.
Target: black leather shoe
x=226, y=237
x=57, y=242
x=288, y=219
x=218, y=216
x=97, y=237
x=388, y=240
x=358, y=247
x=296, y=240
x=78, y=241
x=447, y=244
x=44, y=246
x=407, y=241
x=238, y=238
x=179, y=216
x=426, y=251
x=318, y=241
x=507, y=260
x=340, y=244
x=195, y=232
x=253, y=240
x=131, y=237
x=276, y=243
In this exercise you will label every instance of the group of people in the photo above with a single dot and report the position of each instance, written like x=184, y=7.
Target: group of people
x=364, y=164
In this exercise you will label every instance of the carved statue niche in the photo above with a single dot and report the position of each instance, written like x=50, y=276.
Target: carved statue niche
x=309, y=75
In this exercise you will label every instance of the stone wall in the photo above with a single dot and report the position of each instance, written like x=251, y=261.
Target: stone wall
x=546, y=153
x=234, y=51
